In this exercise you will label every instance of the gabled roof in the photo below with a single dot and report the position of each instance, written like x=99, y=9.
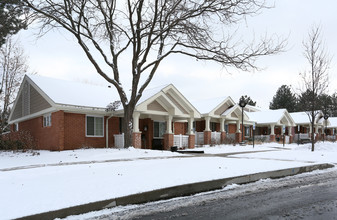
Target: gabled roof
x=302, y=118
x=214, y=106
x=74, y=93
x=50, y=95
x=166, y=99
x=277, y=117
x=333, y=122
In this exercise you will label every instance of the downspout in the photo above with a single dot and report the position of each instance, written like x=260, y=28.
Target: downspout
x=107, y=131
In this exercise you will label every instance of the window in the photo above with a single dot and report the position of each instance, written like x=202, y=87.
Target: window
x=121, y=120
x=47, y=120
x=94, y=126
x=213, y=126
x=16, y=127
x=159, y=129
x=226, y=128
x=247, y=131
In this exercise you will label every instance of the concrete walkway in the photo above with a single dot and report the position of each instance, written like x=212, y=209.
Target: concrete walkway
x=125, y=160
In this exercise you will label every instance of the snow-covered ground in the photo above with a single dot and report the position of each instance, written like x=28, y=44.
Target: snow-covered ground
x=71, y=178
x=324, y=153
x=9, y=159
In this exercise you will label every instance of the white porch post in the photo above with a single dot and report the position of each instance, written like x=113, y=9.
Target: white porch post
x=190, y=126
x=237, y=126
x=136, y=121
x=290, y=131
x=207, y=123
x=310, y=128
x=222, y=125
x=169, y=124
x=272, y=129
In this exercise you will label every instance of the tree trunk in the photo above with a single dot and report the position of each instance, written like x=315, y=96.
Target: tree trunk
x=313, y=131
x=128, y=125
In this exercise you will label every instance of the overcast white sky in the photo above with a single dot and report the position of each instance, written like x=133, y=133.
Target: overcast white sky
x=59, y=56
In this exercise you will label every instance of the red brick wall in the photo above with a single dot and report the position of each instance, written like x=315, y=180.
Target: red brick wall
x=46, y=138
x=75, y=133
x=180, y=128
x=200, y=126
x=67, y=132
x=232, y=128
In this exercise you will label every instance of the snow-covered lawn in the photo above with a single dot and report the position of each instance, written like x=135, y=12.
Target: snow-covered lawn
x=40, y=189
x=227, y=149
x=324, y=153
x=9, y=159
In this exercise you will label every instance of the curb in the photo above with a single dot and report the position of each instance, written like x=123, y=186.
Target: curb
x=175, y=191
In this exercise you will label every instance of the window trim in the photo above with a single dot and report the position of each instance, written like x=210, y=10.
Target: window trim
x=247, y=128
x=86, y=126
x=48, y=122
x=16, y=127
x=164, y=122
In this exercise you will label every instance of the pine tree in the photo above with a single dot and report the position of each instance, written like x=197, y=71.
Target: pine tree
x=12, y=18
x=284, y=98
x=248, y=100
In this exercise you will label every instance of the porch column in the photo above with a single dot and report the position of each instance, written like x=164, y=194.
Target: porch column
x=168, y=136
x=238, y=132
x=272, y=132
x=191, y=135
x=207, y=131
x=317, y=133
x=290, y=133
x=222, y=130
x=136, y=135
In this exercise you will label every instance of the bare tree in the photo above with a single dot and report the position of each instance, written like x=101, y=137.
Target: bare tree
x=147, y=32
x=316, y=78
x=12, y=69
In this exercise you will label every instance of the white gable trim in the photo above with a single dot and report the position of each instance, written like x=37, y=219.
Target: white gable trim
x=37, y=114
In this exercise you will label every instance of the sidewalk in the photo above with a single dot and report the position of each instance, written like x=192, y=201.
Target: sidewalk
x=82, y=186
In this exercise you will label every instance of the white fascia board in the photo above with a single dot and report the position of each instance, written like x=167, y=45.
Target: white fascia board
x=82, y=110
x=26, y=78
x=41, y=92
x=168, y=106
x=37, y=114
x=187, y=105
x=227, y=99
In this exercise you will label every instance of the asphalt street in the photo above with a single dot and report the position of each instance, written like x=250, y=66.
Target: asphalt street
x=304, y=196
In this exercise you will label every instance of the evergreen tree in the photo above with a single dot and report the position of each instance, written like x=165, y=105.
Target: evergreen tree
x=248, y=100
x=284, y=98
x=12, y=18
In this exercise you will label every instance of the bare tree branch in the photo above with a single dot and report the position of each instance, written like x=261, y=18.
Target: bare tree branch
x=149, y=31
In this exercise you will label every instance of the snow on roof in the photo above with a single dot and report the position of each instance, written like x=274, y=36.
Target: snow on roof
x=333, y=122
x=229, y=110
x=75, y=93
x=207, y=105
x=148, y=93
x=266, y=116
x=251, y=108
x=300, y=117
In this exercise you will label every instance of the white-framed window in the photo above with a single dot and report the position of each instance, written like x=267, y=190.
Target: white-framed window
x=247, y=131
x=213, y=126
x=47, y=120
x=226, y=128
x=94, y=126
x=16, y=127
x=159, y=129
